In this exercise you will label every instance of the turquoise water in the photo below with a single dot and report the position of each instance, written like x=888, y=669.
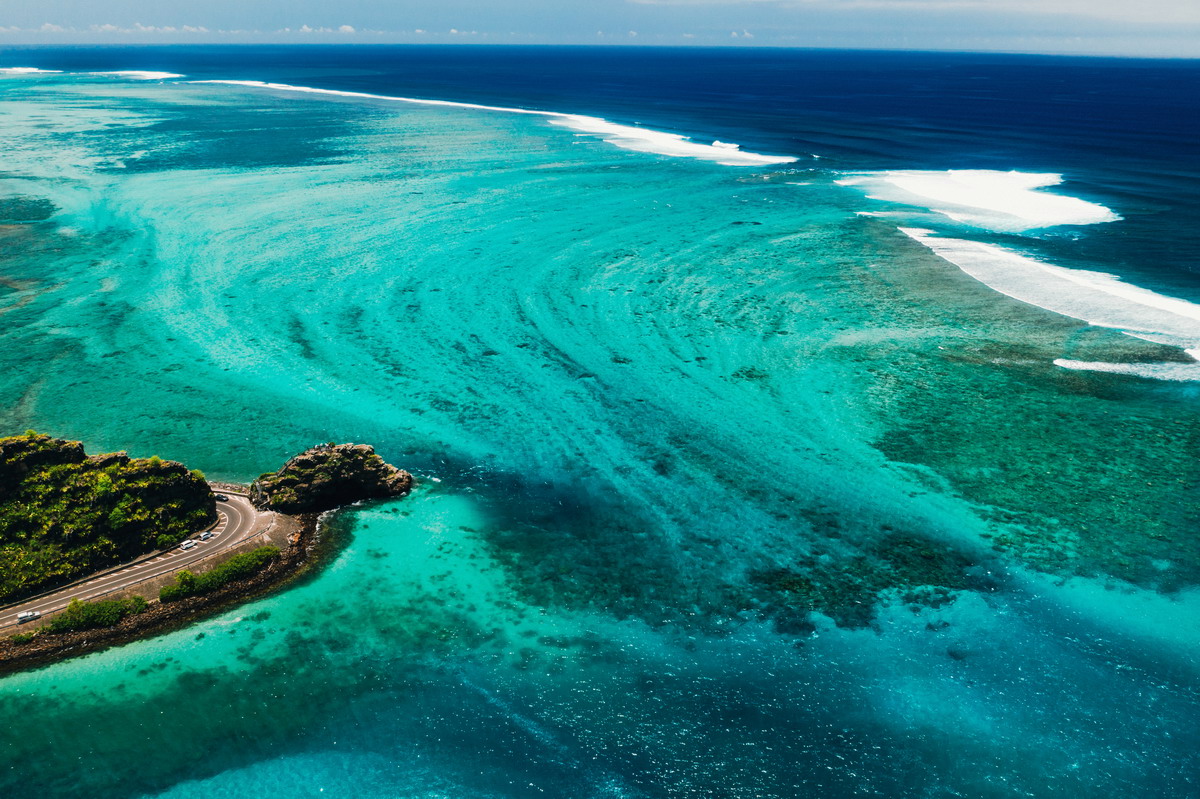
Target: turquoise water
x=661, y=408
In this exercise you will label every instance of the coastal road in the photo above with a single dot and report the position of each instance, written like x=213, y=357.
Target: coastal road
x=237, y=520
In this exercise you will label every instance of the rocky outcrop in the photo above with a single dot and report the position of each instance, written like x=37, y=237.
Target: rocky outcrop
x=30, y=453
x=328, y=476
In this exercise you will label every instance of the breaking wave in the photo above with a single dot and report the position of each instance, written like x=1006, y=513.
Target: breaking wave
x=627, y=137
x=1009, y=202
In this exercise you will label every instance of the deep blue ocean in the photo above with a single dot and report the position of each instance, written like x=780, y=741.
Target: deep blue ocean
x=788, y=423
x=1123, y=130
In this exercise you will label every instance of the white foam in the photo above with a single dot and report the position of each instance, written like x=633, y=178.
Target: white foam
x=627, y=137
x=1000, y=201
x=1094, y=297
x=644, y=140
x=1179, y=372
x=25, y=70
x=138, y=74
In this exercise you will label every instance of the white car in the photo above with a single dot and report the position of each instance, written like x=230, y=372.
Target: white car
x=27, y=615
x=206, y=536
x=186, y=545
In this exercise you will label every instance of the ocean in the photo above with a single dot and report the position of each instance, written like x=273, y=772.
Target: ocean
x=787, y=423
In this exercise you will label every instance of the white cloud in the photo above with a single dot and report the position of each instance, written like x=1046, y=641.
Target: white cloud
x=1144, y=11
x=346, y=29
x=311, y=29
x=139, y=28
x=50, y=27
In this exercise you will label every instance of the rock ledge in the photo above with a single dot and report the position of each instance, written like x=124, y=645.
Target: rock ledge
x=328, y=476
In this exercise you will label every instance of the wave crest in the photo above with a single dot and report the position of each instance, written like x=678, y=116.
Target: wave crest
x=1001, y=201
x=627, y=137
x=1094, y=297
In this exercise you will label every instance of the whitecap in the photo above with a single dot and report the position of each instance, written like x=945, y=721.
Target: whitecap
x=1097, y=298
x=25, y=70
x=1000, y=201
x=628, y=137
x=138, y=74
x=1177, y=372
x=645, y=140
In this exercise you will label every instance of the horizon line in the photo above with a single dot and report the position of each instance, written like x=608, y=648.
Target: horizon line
x=624, y=45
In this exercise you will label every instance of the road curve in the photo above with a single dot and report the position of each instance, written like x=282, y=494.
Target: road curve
x=237, y=521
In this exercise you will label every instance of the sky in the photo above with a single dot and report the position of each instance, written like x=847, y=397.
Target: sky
x=1162, y=28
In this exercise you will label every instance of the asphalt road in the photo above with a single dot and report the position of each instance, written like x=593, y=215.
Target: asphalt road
x=237, y=521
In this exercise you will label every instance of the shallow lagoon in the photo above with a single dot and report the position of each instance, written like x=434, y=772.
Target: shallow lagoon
x=662, y=409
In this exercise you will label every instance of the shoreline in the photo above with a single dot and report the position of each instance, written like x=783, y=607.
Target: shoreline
x=306, y=550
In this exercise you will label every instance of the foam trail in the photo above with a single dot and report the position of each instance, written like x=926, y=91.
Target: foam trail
x=1179, y=372
x=25, y=71
x=627, y=137
x=1093, y=297
x=644, y=140
x=138, y=74
x=1000, y=201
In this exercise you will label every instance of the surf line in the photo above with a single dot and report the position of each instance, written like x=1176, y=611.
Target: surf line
x=984, y=198
x=627, y=137
x=1095, y=298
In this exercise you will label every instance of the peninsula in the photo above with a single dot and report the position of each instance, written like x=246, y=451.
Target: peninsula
x=105, y=549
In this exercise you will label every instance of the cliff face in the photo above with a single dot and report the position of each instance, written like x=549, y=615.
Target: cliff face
x=327, y=476
x=64, y=515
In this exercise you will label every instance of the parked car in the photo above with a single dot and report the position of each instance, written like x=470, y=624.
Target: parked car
x=207, y=535
x=186, y=545
x=27, y=615
x=222, y=498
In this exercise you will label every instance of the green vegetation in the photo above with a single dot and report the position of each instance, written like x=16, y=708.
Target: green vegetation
x=92, y=615
x=64, y=515
x=23, y=638
x=236, y=568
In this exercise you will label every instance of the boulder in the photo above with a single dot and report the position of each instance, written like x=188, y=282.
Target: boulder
x=328, y=476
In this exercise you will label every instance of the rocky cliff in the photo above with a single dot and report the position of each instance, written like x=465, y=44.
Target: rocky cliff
x=64, y=515
x=327, y=476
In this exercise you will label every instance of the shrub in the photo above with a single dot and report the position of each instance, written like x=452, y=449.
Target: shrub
x=92, y=615
x=236, y=568
x=22, y=638
x=166, y=541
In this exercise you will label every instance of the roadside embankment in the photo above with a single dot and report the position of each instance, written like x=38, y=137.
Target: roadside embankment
x=303, y=551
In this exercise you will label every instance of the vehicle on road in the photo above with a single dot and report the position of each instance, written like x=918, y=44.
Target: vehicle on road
x=186, y=545
x=222, y=498
x=27, y=615
x=206, y=536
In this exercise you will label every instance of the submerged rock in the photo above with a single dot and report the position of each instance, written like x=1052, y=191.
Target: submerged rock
x=327, y=476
